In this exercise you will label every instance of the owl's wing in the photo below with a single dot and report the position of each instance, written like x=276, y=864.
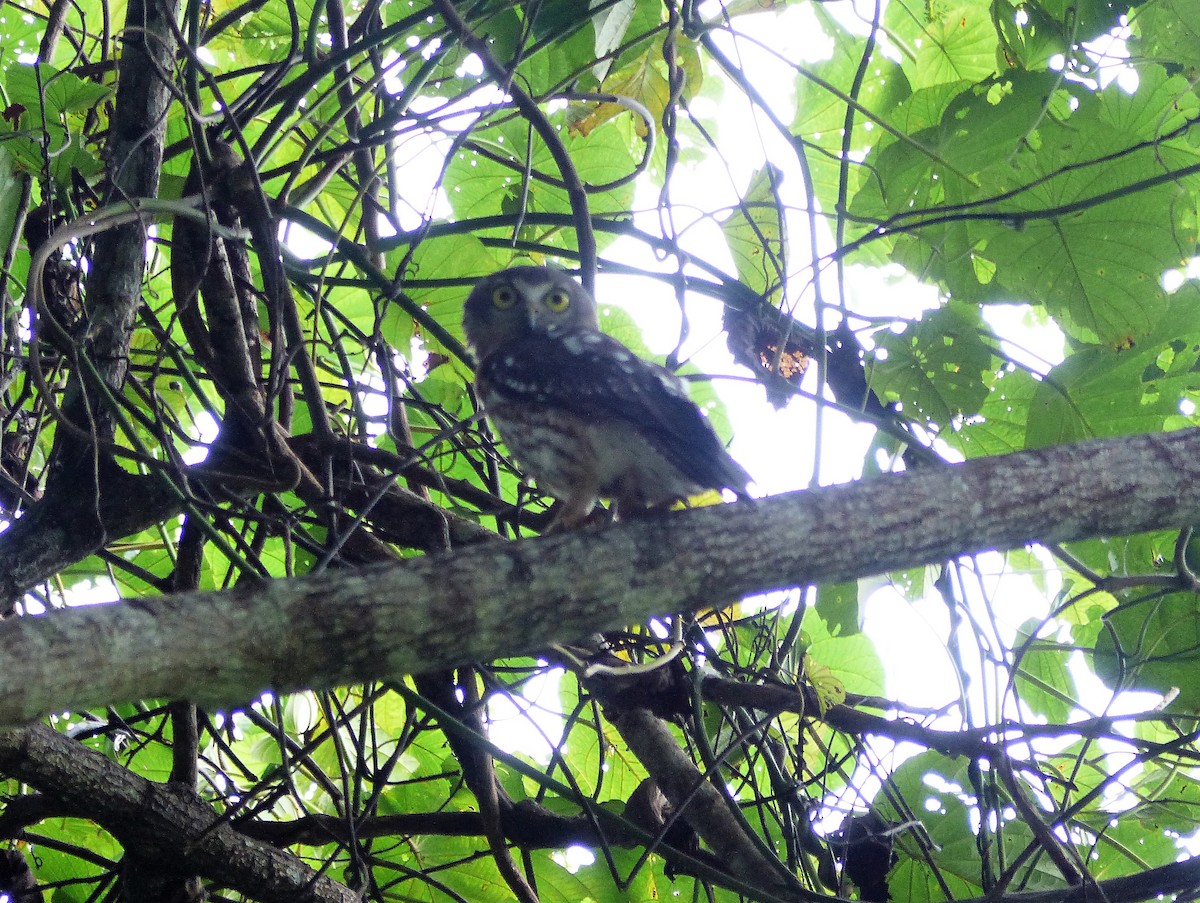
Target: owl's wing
x=592, y=375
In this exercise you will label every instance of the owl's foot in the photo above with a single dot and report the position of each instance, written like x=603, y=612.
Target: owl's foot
x=567, y=517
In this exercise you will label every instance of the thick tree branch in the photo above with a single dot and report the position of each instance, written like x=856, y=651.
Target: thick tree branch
x=501, y=599
x=163, y=823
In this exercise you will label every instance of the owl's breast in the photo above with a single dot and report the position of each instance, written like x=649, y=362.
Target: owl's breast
x=554, y=450
x=570, y=455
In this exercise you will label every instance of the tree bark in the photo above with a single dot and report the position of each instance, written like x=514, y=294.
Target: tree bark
x=499, y=599
x=164, y=823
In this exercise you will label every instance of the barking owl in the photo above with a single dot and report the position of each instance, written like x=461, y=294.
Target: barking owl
x=582, y=414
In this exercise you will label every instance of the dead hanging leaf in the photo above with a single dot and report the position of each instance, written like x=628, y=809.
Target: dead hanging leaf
x=864, y=844
x=771, y=345
x=790, y=364
x=847, y=374
x=776, y=349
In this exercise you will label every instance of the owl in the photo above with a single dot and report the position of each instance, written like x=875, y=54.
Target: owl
x=581, y=413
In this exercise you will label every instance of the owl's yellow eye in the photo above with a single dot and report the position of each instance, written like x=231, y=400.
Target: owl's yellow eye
x=504, y=297
x=558, y=300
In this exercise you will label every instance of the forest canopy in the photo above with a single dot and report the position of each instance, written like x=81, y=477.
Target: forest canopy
x=941, y=253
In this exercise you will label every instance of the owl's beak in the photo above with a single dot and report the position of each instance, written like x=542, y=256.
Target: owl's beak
x=532, y=319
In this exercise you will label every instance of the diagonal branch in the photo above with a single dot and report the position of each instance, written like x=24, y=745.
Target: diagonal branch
x=701, y=804
x=163, y=823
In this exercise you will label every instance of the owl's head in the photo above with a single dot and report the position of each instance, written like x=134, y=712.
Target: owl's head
x=522, y=300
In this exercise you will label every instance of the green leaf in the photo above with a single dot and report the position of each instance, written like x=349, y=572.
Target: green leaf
x=838, y=606
x=10, y=196
x=1171, y=802
x=1100, y=392
x=933, y=787
x=554, y=18
x=1031, y=36
x=943, y=44
x=939, y=367
x=1168, y=31
x=1000, y=425
x=850, y=659
x=823, y=100
x=644, y=31
x=647, y=884
x=1013, y=152
x=449, y=257
x=63, y=92
x=54, y=864
x=66, y=155
x=1126, y=556
x=478, y=186
x=20, y=33
x=1096, y=272
x=1043, y=680
x=267, y=31
x=757, y=235
x=1153, y=644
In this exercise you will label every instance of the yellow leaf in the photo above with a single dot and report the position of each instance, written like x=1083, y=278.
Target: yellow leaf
x=642, y=80
x=830, y=690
